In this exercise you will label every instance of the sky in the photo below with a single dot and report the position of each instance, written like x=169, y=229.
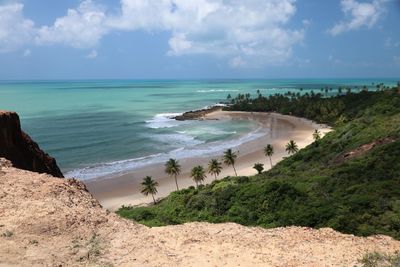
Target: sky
x=199, y=39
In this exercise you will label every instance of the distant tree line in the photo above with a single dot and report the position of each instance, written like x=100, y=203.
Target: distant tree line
x=313, y=106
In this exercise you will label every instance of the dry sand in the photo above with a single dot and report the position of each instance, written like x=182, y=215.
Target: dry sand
x=47, y=221
x=113, y=192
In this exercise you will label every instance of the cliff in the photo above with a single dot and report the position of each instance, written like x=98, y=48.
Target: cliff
x=47, y=221
x=21, y=150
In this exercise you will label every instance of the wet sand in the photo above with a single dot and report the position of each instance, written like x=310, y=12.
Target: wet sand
x=113, y=192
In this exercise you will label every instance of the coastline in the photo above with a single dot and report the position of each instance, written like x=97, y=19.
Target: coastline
x=200, y=114
x=113, y=192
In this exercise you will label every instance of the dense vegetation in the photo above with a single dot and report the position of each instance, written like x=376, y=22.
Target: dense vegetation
x=313, y=106
x=349, y=180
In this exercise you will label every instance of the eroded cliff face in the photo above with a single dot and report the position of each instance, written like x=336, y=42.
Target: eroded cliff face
x=21, y=150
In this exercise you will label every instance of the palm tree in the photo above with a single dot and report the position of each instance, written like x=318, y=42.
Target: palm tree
x=259, y=167
x=269, y=151
x=149, y=186
x=316, y=135
x=230, y=159
x=198, y=174
x=292, y=147
x=214, y=167
x=172, y=168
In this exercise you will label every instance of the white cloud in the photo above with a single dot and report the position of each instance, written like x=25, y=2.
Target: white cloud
x=359, y=14
x=92, y=55
x=15, y=30
x=82, y=27
x=255, y=31
x=306, y=22
x=27, y=53
x=389, y=43
x=179, y=44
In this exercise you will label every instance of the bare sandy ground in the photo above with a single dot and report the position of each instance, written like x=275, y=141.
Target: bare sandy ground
x=113, y=192
x=46, y=221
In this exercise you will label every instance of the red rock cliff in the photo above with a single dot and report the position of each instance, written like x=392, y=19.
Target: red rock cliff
x=21, y=150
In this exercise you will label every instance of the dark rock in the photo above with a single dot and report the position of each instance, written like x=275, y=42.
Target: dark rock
x=197, y=114
x=21, y=150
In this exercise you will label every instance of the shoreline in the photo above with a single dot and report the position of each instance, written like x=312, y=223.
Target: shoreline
x=199, y=114
x=113, y=192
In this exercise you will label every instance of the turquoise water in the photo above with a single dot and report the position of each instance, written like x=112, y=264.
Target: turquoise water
x=97, y=128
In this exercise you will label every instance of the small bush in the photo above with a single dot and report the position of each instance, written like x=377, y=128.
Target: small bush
x=376, y=259
x=7, y=234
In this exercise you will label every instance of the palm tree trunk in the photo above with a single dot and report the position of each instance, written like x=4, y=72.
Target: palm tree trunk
x=215, y=175
x=153, y=198
x=270, y=160
x=176, y=182
x=234, y=169
x=197, y=184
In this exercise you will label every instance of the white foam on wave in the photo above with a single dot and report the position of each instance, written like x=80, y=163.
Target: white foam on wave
x=221, y=132
x=109, y=168
x=217, y=90
x=179, y=139
x=210, y=131
x=217, y=147
x=101, y=170
x=214, y=105
x=276, y=89
x=163, y=120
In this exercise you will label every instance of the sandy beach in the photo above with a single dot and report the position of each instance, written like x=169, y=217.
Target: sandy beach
x=113, y=192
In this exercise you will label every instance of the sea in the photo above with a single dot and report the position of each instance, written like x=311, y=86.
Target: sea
x=103, y=128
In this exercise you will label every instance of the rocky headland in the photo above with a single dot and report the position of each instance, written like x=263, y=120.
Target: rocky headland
x=198, y=114
x=21, y=150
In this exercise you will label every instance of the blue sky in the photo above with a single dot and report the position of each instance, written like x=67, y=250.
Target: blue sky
x=181, y=39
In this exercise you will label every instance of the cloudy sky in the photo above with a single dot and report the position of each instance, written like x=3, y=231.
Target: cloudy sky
x=183, y=39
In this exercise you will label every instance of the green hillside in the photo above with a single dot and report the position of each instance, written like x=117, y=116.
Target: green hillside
x=349, y=180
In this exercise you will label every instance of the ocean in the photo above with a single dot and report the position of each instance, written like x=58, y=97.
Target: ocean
x=97, y=128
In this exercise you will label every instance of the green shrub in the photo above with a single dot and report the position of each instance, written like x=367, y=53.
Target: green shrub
x=318, y=186
x=376, y=259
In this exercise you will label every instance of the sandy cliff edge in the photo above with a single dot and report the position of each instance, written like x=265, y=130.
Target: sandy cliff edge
x=49, y=221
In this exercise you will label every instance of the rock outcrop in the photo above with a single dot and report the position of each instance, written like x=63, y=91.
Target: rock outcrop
x=197, y=114
x=21, y=150
x=47, y=221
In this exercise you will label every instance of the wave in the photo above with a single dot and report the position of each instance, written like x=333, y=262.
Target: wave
x=277, y=89
x=217, y=90
x=221, y=132
x=114, y=168
x=209, y=130
x=179, y=139
x=99, y=170
x=163, y=120
x=213, y=105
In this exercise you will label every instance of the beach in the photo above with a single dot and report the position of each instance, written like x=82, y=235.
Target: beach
x=113, y=192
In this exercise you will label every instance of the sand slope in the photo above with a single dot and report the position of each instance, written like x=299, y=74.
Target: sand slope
x=54, y=222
